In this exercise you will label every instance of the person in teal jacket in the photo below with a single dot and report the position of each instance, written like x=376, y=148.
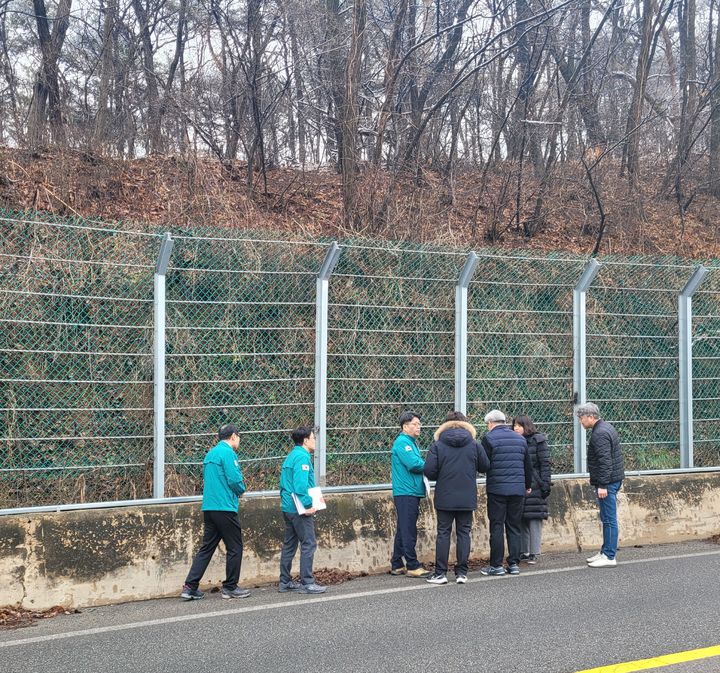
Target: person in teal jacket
x=223, y=484
x=296, y=477
x=408, y=487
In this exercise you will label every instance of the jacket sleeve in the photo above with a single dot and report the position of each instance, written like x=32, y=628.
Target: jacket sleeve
x=602, y=443
x=410, y=460
x=233, y=473
x=431, y=463
x=528, y=468
x=482, y=462
x=300, y=479
x=485, y=445
x=543, y=455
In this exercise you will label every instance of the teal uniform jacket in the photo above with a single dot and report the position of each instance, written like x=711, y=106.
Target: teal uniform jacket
x=223, y=479
x=296, y=476
x=407, y=467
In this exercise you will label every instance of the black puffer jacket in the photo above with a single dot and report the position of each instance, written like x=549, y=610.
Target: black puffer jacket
x=604, y=455
x=453, y=462
x=536, y=502
x=510, y=472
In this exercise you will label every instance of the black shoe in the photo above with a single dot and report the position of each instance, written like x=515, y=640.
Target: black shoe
x=495, y=571
x=525, y=557
x=237, y=592
x=190, y=594
x=533, y=559
x=513, y=569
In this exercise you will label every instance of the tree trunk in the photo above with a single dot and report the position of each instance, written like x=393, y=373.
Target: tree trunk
x=714, y=167
x=46, y=103
x=349, y=115
x=152, y=94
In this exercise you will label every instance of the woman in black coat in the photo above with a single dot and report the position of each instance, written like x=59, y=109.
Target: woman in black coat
x=535, y=510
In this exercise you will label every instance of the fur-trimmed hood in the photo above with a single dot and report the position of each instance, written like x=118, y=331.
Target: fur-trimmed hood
x=455, y=425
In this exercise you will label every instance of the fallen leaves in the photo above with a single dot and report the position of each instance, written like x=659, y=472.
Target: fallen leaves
x=14, y=617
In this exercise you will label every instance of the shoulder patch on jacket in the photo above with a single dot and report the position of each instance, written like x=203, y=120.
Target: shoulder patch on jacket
x=305, y=466
x=408, y=448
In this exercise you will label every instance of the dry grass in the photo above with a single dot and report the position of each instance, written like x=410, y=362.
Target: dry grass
x=431, y=208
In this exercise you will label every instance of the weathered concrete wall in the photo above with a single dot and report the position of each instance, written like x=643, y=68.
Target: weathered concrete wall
x=94, y=557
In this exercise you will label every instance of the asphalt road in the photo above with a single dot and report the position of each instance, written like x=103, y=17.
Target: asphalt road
x=559, y=617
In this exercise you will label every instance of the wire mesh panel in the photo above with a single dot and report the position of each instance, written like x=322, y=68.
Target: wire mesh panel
x=520, y=347
x=240, y=349
x=632, y=357
x=706, y=371
x=390, y=348
x=75, y=362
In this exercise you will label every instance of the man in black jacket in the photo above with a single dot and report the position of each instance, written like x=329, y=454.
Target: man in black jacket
x=454, y=460
x=509, y=479
x=605, y=465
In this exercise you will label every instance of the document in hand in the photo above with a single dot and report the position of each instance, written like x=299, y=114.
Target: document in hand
x=318, y=500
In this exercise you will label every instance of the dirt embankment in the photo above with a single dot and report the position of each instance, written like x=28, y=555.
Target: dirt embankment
x=435, y=208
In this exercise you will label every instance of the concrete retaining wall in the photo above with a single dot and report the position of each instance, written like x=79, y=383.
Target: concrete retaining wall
x=95, y=557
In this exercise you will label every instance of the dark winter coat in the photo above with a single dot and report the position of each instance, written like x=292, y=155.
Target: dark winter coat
x=453, y=462
x=510, y=470
x=604, y=455
x=536, y=502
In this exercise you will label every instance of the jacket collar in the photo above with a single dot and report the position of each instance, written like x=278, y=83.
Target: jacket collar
x=452, y=425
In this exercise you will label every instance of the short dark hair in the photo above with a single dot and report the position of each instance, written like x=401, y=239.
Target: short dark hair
x=300, y=434
x=228, y=430
x=456, y=416
x=525, y=422
x=407, y=417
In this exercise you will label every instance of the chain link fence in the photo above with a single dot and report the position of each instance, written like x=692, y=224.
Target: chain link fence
x=77, y=367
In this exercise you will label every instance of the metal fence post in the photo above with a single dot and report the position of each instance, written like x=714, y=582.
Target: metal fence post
x=580, y=359
x=159, y=367
x=461, y=319
x=685, y=365
x=321, y=347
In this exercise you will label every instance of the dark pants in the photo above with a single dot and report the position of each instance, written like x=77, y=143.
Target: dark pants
x=298, y=529
x=223, y=526
x=505, y=514
x=463, y=525
x=407, y=508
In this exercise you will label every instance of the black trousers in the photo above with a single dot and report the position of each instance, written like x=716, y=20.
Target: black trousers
x=223, y=526
x=505, y=514
x=463, y=525
x=407, y=508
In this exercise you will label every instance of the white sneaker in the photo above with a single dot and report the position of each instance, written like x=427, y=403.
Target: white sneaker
x=594, y=557
x=603, y=562
x=437, y=579
x=461, y=579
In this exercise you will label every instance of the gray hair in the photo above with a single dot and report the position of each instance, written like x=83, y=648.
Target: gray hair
x=587, y=409
x=495, y=416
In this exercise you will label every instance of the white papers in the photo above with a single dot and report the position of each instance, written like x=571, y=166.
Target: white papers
x=318, y=500
x=426, y=481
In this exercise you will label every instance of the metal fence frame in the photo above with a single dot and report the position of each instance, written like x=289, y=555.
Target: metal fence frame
x=324, y=278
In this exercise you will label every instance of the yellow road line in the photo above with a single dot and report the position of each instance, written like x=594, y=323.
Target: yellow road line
x=657, y=662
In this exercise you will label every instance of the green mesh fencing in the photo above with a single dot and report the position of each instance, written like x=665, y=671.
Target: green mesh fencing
x=240, y=349
x=76, y=353
x=75, y=362
x=706, y=371
x=390, y=348
x=632, y=357
x=520, y=344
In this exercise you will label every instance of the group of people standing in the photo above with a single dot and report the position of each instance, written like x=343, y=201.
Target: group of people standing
x=515, y=459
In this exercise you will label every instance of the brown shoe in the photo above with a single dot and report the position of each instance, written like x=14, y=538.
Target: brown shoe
x=418, y=572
